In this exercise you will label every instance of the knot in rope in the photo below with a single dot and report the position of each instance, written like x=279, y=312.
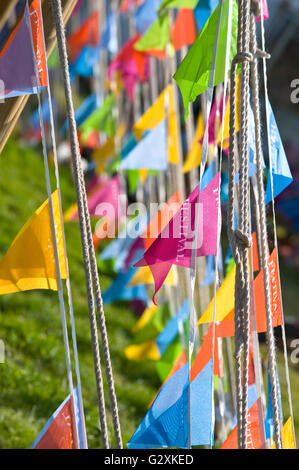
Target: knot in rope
x=262, y=54
x=242, y=238
x=242, y=57
x=256, y=7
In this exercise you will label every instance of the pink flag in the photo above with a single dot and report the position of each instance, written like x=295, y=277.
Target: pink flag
x=265, y=10
x=133, y=66
x=107, y=196
x=174, y=245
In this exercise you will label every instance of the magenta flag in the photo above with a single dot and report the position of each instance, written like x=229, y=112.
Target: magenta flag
x=174, y=245
x=265, y=10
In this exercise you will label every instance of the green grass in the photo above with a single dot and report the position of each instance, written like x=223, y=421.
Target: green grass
x=33, y=377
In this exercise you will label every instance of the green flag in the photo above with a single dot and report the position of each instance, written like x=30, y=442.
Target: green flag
x=157, y=36
x=101, y=120
x=191, y=4
x=165, y=364
x=192, y=76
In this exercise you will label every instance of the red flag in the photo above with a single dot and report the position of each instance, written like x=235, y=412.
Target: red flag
x=87, y=34
x=58, y=433
x=38, y=41
x=254, y=440
x=183, y=31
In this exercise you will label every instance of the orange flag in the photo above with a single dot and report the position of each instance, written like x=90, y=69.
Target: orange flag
x=259, y=296
x=183, y=31
x=86, y=35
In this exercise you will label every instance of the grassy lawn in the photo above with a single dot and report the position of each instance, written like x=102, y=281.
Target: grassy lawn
x=33, y=377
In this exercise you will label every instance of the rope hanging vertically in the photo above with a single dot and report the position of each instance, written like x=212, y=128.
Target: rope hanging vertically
x=90, y=265
x=240, y=238
x=263, y=232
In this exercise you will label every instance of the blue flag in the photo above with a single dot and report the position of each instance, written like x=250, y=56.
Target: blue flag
x=88, y=106
x=202, y=12
x=146, y=14
x=45, y=109
x=269, y=425
x=281, y=173
x=166, y=423
x=119, y=248
x=150, y=153
x=119, y=289
x=108, y=39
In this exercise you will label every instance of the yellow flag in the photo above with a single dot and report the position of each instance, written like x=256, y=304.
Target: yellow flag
x=148, y=313
x=225, y=300
x=144, y=276
x=227, y=117
x=194, y=156
x=287, y=436
x=143, y=175
x=29, y=263
x=139, y=352
x=101, y=155
x=155, y=114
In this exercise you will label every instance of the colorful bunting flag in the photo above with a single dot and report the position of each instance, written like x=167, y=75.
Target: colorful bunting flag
x=162, y=108
x=192, y=76
x=156, y=37
x=281, y=174
x=254, y=440
x=101, y=120
x=17, y=67
x=151, y=152
x=174, y=244
x=183, y=31
x=60, y=430
x=29, y=262
x=87, y=34
x=166, y=422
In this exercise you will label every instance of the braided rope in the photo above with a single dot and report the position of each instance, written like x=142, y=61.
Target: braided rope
x=264, y=244
x=76, y=160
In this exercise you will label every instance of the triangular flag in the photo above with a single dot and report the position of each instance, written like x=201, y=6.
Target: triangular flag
x=287, y=436
x=151, y=152
x=166, y=422
x=281, y=173
x=148, y=313
x=183, y=31
x=174, y=244
x=17, y=67
x=144, y=276
x=254, y=440
x=162, y=108
x=86, y=35
x=101, y=120
x=29, y=262
x=194, y=155
x=156, y=37
x=178, y=4
x=192, y=76
x=59, y=431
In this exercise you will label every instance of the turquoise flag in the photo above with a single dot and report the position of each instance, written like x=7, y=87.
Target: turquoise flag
x=281, y=174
